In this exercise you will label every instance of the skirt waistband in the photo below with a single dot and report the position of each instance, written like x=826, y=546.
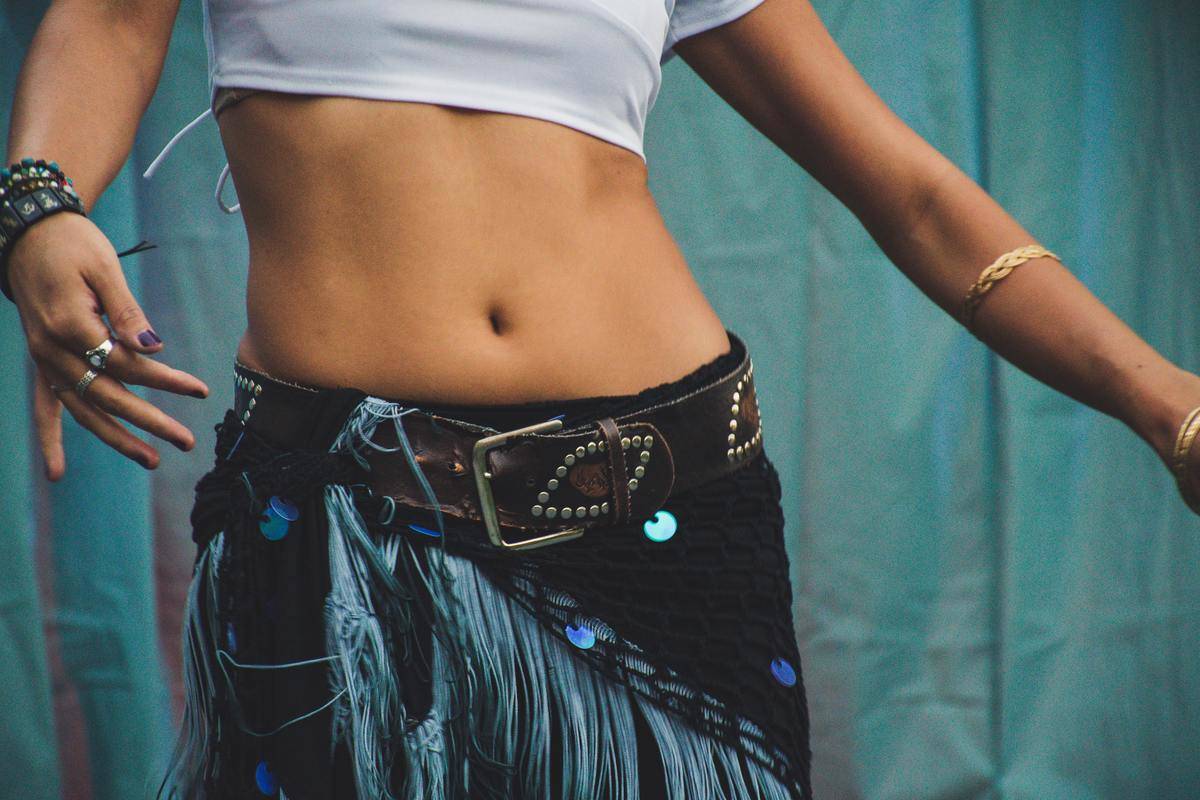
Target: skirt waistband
x=296, y=406
x=618, y=457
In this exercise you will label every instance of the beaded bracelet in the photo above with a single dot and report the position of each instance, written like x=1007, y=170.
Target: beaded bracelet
x=30, y=190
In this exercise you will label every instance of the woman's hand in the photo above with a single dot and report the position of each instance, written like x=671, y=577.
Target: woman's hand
x=65, y=276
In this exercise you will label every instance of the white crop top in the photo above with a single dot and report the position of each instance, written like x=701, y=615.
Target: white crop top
x=592, y=65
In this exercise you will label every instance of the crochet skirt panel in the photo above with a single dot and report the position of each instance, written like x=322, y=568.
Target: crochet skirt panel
x=334, y=647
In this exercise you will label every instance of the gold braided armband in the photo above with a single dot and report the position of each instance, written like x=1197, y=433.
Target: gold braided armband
x=1179, y=461
x=1000, y=268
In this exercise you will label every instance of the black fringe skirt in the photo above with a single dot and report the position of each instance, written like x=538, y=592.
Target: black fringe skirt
x=337, y=645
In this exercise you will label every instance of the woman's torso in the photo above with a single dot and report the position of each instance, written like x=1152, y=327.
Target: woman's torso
x=431, y=252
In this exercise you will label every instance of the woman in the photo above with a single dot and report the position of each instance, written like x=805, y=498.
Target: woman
x=466, y=245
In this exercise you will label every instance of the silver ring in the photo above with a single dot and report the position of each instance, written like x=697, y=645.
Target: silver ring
x=97, y=357
x=83, y=383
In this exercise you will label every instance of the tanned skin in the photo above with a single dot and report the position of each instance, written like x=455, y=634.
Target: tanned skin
x=504, y=258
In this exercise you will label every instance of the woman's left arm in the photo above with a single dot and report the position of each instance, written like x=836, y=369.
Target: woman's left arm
x=780, y=69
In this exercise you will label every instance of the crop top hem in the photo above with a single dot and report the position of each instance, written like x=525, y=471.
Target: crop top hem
x=407, y=89
x=589, y=65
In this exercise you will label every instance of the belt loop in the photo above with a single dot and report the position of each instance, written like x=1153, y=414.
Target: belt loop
x=616, y=463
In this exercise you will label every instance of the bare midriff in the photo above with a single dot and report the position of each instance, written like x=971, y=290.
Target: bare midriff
x=437, y=253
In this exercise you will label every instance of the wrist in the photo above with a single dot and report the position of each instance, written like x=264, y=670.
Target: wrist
x=31, y=191
x=26, y=258
x=1159, y=406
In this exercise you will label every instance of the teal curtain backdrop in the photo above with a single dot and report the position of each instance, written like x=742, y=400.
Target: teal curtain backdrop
x=996, y=587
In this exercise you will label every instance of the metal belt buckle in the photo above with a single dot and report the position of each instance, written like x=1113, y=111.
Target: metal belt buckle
x=487, y=503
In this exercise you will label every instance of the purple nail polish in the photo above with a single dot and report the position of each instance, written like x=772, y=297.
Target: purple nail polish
x=148, y=338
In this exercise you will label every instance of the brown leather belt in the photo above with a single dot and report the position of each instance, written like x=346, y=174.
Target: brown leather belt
x=540, y=484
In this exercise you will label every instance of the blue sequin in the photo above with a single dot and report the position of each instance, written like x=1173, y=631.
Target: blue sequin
x=279, y=515
x=581, y=636
x=230, y=638
x=425, y=531
x=661, y=526
x=267, y=784
x=783, y=671
x=273, y=527
x=284, y=508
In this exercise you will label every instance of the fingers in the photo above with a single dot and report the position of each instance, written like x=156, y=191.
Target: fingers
x=130, y=367
x=104, y=399
x=126, y=317
x=60, y=357
x=74, y=331
x=47, y=417
x=109, y=431
x=109, y=395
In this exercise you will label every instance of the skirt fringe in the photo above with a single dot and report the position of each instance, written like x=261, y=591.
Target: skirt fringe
x=507, y=693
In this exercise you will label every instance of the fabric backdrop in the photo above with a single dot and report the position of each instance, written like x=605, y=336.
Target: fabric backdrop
x=996, y=587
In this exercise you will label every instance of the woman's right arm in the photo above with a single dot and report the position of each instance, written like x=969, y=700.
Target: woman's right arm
x=86, y=81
